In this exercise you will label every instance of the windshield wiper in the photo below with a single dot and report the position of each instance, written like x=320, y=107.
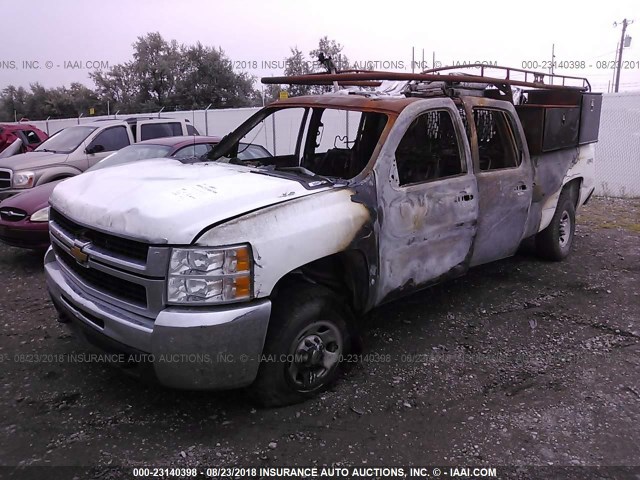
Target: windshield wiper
x=304, y=171
x=308, y=173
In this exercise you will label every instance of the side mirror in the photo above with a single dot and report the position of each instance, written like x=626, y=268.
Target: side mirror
x=95, y=149
x=319, y=133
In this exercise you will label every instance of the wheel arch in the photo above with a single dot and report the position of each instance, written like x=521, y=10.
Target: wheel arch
x=346, y=273
x=57, y=175
x=572, y=185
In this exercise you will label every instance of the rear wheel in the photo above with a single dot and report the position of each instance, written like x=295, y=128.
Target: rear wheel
x=305, y=344
x=555, y=241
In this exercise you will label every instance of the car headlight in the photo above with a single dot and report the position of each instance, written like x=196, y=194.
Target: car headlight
x=41, y=215
x=209, y=275
x=23, y=179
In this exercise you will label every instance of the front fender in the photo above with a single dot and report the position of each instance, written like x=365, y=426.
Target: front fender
x=291, y=234
x=56, y=173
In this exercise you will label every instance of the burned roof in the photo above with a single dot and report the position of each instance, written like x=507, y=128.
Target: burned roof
x=341, y=101
x=484, y=81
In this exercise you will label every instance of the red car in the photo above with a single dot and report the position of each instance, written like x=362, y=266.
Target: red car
x=31, y=136
x=24, y=218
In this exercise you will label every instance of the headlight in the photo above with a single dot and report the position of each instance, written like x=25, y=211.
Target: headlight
x=23, y=179
x=209, y=275
x=41, y=215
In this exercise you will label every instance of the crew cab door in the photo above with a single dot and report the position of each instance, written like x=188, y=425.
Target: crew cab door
x=427, y=199
x=504, y=175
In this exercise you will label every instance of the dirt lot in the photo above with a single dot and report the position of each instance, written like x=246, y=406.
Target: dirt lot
x=521, y=362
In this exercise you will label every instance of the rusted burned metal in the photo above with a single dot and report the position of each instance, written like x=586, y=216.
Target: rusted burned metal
x=389, y=105
x=538, y=81
x=538, y=77
x=363, y=83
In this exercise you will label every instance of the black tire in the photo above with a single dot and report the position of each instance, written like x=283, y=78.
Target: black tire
x=299, y=313
x=554, y=242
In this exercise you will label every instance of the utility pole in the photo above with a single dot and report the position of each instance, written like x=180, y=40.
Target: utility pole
x=553, y=57
x=413, y=59
x=625, y=24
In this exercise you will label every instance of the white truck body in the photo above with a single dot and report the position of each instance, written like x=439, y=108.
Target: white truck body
x=369, y=234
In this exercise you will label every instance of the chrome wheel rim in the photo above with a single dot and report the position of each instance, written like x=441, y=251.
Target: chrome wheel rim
x=564, y=229
x=314, y=354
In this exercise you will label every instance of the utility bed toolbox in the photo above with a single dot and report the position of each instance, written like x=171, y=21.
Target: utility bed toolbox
x=554, y=120
x=590, y=118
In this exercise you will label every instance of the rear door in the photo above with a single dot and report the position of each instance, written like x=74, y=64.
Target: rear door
x=504, y=175
x=428, y=203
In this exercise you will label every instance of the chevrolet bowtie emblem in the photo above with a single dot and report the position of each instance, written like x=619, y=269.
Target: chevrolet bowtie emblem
x=77, y=253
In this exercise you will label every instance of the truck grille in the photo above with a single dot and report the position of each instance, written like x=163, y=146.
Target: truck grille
x=5, y=179
x=126, y=273
x=117, y=245
x=129, y=291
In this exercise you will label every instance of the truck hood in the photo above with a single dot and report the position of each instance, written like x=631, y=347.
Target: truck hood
x=166, y=201
x=32, y=160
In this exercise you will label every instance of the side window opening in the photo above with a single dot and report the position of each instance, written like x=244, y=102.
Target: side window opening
x=340, y=142
x=149, y=131
x=496, y=142
x=112, y=139
x=325, y=141
x=429, y=149
x=31, y=136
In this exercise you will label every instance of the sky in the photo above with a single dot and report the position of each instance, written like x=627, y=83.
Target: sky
x=61, y=42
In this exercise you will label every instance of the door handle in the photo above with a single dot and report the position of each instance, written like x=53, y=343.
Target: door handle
x=521, y=187
x=464, y=197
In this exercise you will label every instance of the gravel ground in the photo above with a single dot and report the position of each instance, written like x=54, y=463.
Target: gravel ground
x=521, y=362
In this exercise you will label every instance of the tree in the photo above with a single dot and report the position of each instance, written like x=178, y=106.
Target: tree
x=207, y=77
x=164, y=74
x=118, y=86
x=154, y=65
x=298, y=64
x=332, y=49
x=41, y=103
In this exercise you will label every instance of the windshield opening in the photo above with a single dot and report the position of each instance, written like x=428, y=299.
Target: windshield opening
x=319, y=141
x=132, y=153
x=66, y=141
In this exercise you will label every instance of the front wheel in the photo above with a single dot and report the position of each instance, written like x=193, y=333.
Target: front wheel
x=555, y=241
x=306, y=342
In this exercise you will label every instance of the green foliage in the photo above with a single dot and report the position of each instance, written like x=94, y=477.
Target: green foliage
x=41, y=103
x=165, y=74
x=298, y=64
x=161, y=74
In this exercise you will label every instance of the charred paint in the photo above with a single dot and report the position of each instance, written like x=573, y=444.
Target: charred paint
x=289, y=235
x=427, y=230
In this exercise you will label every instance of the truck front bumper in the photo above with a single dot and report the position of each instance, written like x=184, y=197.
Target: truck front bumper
x=188, y=348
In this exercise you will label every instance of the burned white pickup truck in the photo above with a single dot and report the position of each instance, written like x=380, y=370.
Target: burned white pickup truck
x=229, y=273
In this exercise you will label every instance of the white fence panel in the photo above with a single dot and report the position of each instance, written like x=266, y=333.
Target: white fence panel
x=618, y=149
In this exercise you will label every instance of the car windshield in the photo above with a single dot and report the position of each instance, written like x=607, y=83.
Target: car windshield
x=132, y=153
x=66, y=141
x=318, y=141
